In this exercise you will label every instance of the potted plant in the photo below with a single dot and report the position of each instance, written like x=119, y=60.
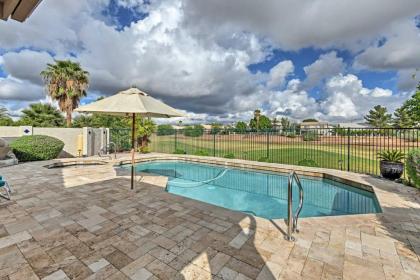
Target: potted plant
x=391, y=164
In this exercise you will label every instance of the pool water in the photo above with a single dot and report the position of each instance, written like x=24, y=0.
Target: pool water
x=259, y=193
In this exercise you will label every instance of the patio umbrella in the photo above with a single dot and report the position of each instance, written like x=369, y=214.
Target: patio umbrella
x=131, y=102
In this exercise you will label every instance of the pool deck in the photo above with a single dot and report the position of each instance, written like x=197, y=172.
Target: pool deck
x=85, y=223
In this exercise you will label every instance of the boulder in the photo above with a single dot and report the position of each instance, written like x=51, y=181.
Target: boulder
x=4, y=149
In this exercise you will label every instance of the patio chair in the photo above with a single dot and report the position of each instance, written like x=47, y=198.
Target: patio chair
x=5, y=187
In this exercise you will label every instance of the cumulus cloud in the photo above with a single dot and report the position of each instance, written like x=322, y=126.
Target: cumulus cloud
x=297, y=24
x=279, y=73
x=26, y=64
x=399, y=51
x=195, y=55
x=15, y=89
x=326, y=66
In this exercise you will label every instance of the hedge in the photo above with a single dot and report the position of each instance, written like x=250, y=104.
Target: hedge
x=413, y=167
x=36, y=147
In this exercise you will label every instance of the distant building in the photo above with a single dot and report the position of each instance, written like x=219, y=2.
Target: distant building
x=321, y=128
x=17, y=10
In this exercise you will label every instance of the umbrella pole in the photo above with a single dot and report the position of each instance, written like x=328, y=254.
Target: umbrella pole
x=133, y=137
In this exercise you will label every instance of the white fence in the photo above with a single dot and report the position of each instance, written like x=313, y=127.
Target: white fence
x=85, y=141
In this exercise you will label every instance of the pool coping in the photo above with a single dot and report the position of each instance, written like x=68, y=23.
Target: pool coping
x=261, y=166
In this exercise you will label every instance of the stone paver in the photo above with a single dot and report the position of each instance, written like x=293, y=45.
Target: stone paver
x=85, y=223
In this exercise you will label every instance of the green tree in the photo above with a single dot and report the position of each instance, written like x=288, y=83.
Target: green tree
x=285, y=124
x=412, y=107
x=194, y=131
x=41, y=115
x=378, y=117
x=66, y=82
x=240, y=127
x=165, y=129
x=3, y=112
x=310, y=120
x=144, y=129
x=5, y=119
x=262, y=123
x=402, y=118
x=216, y=128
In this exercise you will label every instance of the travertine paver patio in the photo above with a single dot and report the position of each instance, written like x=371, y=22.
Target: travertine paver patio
x=85, y=223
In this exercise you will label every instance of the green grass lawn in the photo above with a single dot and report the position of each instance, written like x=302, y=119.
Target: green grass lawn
x=326, y=156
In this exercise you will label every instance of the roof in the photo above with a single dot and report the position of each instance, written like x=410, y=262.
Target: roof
x=313, y=123
x=18, y=10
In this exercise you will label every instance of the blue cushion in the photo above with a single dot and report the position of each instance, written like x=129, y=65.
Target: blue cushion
x=2, y=183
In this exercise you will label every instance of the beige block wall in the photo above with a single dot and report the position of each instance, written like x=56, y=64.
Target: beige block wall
x=67, y=135
x=92, y=142
x=10, y=131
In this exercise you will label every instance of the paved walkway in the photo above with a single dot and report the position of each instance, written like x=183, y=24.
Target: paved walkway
x=85, y=223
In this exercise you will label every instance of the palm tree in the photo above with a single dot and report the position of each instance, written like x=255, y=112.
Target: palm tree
x=41, y=115
x=145, y=128
x=3, y=112
x=257, y=115
x=66, y=82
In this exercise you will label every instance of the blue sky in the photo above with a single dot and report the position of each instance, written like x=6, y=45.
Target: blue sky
x=219, y=61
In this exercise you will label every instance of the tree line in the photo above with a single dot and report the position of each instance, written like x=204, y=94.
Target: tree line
x=407, y=116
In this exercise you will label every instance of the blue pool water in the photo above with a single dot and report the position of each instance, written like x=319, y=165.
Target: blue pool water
x=259, y=193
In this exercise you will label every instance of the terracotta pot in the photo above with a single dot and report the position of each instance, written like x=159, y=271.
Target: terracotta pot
x=391, y=170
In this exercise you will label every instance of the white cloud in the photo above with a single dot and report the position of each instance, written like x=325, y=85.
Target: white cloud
x=26, y=65
x=400, y=50
x=195, y=55
x=279, y=73
x=15, y=89
x=297, y=24
x=326, y=66
x=408, y=79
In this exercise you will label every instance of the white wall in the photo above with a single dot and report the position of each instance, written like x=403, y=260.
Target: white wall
x=93, y=138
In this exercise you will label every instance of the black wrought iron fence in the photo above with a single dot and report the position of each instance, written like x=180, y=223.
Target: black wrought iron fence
x=121, y=137
x=351, y=149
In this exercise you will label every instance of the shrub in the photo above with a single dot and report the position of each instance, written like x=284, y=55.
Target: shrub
x=201, y=153
x=308, y=162
x=413, y=167
x=263, y=159
x=194, y=131
x=180, y=152
x=230, y=155
x=144, y=149
x=165, y=129
x=391, y=155
x=291, y=135
x=36, y=147
x=310, y=136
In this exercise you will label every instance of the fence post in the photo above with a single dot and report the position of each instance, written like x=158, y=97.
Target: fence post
x=268, y=144
x=348, y=149
x=214, y=143
x=175, y=140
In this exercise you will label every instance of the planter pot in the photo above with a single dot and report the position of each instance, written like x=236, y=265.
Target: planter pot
x=391, y=170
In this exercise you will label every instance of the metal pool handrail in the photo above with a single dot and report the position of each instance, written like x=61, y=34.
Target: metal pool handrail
x=292, y=220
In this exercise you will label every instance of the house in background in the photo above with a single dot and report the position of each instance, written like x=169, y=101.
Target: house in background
x=321, y=128
x=18, y=10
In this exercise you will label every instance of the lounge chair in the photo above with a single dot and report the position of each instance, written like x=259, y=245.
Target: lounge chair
x=5, y=187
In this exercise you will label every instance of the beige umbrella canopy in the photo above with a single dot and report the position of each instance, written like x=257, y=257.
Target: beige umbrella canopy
x=131, y=102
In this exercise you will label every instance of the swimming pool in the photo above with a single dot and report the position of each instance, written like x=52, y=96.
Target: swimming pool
x=262, y=194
